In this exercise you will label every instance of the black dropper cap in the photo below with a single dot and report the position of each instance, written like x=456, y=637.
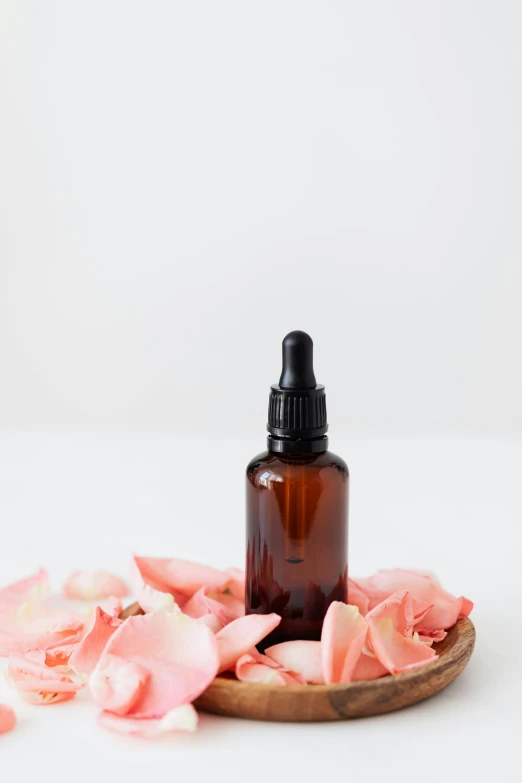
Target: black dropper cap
x=297, y=405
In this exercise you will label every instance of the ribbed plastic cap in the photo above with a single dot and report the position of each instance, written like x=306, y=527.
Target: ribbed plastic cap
x=297, y=404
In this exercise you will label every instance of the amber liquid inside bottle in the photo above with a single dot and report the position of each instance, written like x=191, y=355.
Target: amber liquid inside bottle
x=297, y=540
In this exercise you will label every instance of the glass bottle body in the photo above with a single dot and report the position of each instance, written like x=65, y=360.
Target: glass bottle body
x=297, y=540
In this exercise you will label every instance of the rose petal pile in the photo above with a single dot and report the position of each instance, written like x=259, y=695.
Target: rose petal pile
x=144, y=672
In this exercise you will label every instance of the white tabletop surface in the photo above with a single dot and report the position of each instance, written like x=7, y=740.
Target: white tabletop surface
x=452, y=506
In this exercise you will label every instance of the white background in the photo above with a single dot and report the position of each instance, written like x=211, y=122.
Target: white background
x=183, y=183
x=180, y=185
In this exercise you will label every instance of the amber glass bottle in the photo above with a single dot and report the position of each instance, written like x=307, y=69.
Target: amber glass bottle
x=297, y=507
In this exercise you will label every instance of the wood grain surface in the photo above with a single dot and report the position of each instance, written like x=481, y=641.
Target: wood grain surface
x=299, y=703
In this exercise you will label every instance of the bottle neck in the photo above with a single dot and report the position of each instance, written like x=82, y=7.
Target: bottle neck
x=297, y=445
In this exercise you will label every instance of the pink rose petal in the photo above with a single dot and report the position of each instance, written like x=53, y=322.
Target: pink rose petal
x=240, y=636
x=118, y=684
x=368, y=667
x=47, y=658
x=236, y=583
x=161, y=583
x=211, y=621
x=57, y=657
x=184, y=718
x=179, y=654
x=28, y=627
x=38, y=683
x=87, y=653
x=112, y=605
x=342, y=640
x=420, y=610
x=357, y=597
x=400, y=607
x=207, y=601
x=301, y=656
x=149, y=598
x=233, y=604
x=446, y=608
x=7, y=718
x=179, y=578
x=429, y=637
x=465, y=607
x=32, y=589
x=388, y=625
x=257, y=668
x=46, y=698
x=93, y=586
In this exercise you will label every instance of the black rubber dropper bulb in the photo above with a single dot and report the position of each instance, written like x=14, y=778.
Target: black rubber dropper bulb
x=298, y=362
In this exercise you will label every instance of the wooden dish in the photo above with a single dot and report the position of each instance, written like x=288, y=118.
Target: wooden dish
x=336, y=702
x=227, y=696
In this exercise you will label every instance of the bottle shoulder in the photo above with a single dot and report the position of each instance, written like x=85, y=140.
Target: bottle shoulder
x=279, y=464
x=337, y=462
x=260, y=460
